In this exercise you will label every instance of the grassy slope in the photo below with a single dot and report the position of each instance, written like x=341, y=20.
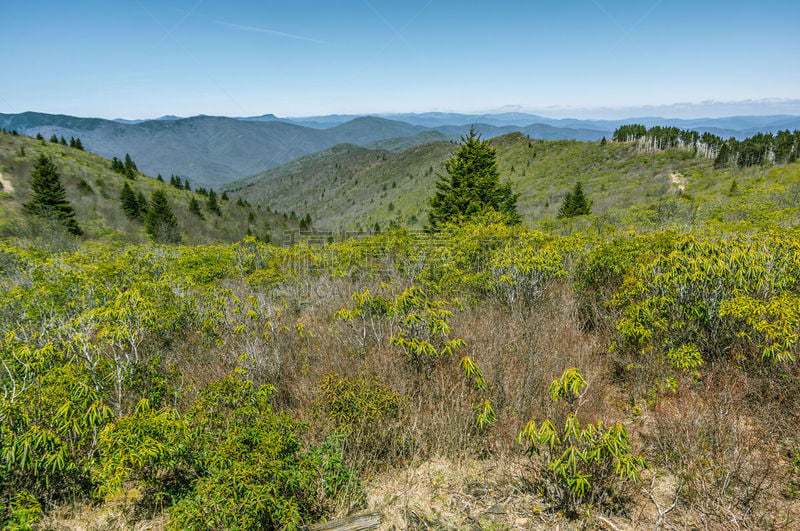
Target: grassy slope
x=344, y=188
x=97, y=202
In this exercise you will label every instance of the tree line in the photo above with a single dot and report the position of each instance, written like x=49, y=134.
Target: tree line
x=780, y=148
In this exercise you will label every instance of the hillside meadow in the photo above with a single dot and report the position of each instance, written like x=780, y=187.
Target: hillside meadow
x=635, y=368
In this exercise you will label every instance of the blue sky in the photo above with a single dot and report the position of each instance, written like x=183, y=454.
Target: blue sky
x=146, y=58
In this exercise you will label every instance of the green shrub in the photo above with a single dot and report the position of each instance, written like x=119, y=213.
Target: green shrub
x=584, y=464
x=230, y=462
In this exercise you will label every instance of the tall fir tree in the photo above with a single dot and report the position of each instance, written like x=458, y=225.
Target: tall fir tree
x=160, y=222
x=48, y=197
x=472, y=186
x=211, y=203
x=129, y=167
x=194, y=207
x=129, y=202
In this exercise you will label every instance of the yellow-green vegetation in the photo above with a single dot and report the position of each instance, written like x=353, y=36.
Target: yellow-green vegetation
x=250, y=385
x=349, y=188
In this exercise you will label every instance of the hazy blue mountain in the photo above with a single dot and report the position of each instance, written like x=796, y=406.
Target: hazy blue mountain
x=212, y=150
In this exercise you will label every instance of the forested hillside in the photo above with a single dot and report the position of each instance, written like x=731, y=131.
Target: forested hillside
x=94, y=189
x=630, y=183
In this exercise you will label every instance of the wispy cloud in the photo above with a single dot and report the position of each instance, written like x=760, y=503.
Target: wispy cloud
x=268, y=31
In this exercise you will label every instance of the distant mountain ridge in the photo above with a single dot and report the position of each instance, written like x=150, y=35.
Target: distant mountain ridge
x=214, y=150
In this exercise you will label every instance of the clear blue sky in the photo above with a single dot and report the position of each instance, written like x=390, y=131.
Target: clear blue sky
x=146, y=58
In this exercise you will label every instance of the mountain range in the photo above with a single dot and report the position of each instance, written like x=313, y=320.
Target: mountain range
x=211, y=150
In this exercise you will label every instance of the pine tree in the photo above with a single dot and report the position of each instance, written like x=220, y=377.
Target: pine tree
x=39, y=136
x=48, y=197
x=472, y=186
x=78, y=144
x=211, y=203
x=224, y=196
x=142, y=201
x=194, y=207
x=63, y=141
x=575, y=203
x=160, y=222
x=129, y=202
x=54, y=139
x=160, y=178
x=117, y=166
x=72, y=141
x=186, y=185
x=129, y=167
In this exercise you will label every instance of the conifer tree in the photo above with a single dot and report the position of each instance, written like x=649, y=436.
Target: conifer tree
x=48, y=197
x=160, y=222
x=472, y=186
x=224, y=196
x=186, y=185
x=72, y=141
x=129, y=202
x=142, y=201
x=54, y=139
x=575, y=203
x=117, y=166
x=63, y=141
x=211, y=203
x=129, y=167
x=78, y=144
x=194, y=207
x=39, y=137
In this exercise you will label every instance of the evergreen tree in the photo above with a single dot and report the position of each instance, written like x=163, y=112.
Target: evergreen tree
x=54, y=139
x=186, y=185
x=117, y=166
x=224, y=196
x=129, y=202
x=72, y=141
x=39, y=136
x=78, y=144
x=63, y=141
x=575, y=203
x=142, y=201
x=211, y=203
x=194, y=207
x=129, y=167
x=160, y=178
x=472, y=185
x=48, y=197
x=160, y=222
